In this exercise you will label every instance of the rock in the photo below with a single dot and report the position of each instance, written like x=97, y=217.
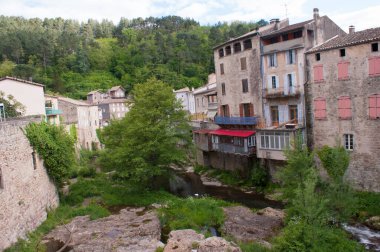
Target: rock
x=183, y=240
x=133, y=229
x=245, y=226
x=217, y=244
x=373, y=222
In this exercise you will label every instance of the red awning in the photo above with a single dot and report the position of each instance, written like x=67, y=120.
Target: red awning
x=235, y=133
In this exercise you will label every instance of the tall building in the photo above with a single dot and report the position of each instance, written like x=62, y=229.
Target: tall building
x=343, y=95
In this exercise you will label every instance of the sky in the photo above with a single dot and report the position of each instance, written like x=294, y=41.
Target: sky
x=362, y=14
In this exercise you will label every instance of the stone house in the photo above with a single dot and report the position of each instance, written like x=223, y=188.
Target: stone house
x=28, y=93
x=283, y=69
x=84, y=117
x=206, y=104
x=186, y=96
x=52, y=111
x=112, y=108
x=343, y=96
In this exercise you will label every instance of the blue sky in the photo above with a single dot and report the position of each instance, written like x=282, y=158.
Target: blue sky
x=363, y=13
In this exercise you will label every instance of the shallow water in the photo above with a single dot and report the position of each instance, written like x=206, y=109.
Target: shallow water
x=368, y=237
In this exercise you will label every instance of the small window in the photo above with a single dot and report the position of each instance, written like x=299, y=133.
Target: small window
x=34, y=158
x=274, y=82
x=342, y=52
x=1, y=180
x=297, y=34
x=244, y=83
x=375, y=47
x=237, y=47
x=272, y=60
x=348, y=141
x=274, y=115
x=251, y=141
x=221, y=52
x=290, y=80
x=293, y=113
x=317, y=56
x=285, y=37
x=243, y=63
x=228, y=50
x=274, y=40
x=222, y=68
x=247, y=44
x=290, y=56
x=223, y=89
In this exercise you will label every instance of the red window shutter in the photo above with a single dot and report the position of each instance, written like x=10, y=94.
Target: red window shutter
x=318, y=73
x=343, y=70
x=344, y=107
x=377, y=66
x=228, y=111
x=251, y=110
x=241, y=110
x=378, y=106
x=374, y=66
x=372, y=100
x=320, y=108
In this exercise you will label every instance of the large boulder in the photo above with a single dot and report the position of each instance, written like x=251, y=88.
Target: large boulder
x=245, y=226
x=133, y=229
x=217, y=244
x=373, y=222
x=183, y=240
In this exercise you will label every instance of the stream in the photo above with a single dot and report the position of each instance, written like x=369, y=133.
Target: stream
x=370, y=238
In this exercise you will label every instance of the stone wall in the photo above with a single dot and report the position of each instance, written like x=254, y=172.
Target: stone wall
x=26, y=193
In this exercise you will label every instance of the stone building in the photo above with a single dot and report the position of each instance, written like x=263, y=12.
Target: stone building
x=343, y=94
x=84, y=117
x=28, y=93
x=185, y=95
x=206, y=103
x=26, y=192
x=283, y=68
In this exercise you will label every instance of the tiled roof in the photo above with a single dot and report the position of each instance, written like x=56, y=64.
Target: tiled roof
x=73, y=101
x=115, y=88
x=21, y=80
x=356, y=38
x=288, y=28
x=185, y=89
x=113, y=100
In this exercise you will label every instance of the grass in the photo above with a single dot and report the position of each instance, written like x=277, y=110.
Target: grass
x=368, y=204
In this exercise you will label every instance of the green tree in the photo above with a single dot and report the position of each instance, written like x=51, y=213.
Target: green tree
x=12, y=107
x=154, y=134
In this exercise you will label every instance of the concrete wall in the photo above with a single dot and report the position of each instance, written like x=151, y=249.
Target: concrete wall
x=26, y=193
x=29, y=95
x=364, y=168
x=233, y=76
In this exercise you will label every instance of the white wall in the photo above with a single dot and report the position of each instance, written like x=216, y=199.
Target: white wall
x=31, y=96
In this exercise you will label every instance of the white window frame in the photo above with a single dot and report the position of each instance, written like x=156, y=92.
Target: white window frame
x=252, y=141
x=272, y=60
x=348, y=142
x=274, y=140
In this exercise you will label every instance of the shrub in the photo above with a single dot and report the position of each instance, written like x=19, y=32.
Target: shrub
x=259, y=176
x=335, y=161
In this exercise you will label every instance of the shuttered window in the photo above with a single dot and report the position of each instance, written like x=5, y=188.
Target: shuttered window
x=246, y=109
x=374, y=106
x=318, y=73
x=244, y=84
x=343, y=70
x=344, y=107
x=320, y=108
x=374, y=66
x=243, y=63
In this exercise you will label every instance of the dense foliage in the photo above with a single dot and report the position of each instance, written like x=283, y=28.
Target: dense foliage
x=12, y=108
x=334, y=160
x=153, y=134
x=55, y=146
x=74, y=58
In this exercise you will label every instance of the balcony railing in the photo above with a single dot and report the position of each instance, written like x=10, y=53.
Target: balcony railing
x=229, y=148
x=281, y=92
x=52, y=111
x=252, y=120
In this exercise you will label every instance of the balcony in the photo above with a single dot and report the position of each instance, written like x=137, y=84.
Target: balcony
x=252, y=120
x=271, y=93
x=229, y=148
x=53, y=112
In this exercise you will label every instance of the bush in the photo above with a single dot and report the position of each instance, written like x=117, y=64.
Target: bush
x=335, y=161
x=55, y=146
x=259, y=176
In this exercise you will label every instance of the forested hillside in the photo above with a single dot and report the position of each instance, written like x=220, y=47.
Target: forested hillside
x=73, y=58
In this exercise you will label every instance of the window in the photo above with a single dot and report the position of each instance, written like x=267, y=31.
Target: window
x=222, y=68
x=34, y=159
x=1, y=180
x=237, y=47
x=246, y=109
x=228, y=50
x=318, y=73
x=290, y=80
x=274, y=40
x=272, y=60
x=342, y=52
x=251, y=141
x=375, y=47
x=374, y=66
x=243, y=63
x=348, y=141
x=225, y=110
x=290, y=56
x=221, y=52
x=344, y=107
x=223, y=89
x=320, y=108
x=274, y=115
x=374, y=106
x=343, y=70
x=238, y=141
x=297, y=34
x=275, y=140
x=244, y=84
x=285, y=37
x=247, y=44
x=274, y=82
x=293, y=113
x=317, y=56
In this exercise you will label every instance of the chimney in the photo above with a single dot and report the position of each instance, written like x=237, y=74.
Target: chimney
x=275, y=21
x=315, y=13
x=351, y=29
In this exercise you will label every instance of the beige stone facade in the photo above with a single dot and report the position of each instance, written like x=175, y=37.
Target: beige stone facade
x=26, y=192
x=350, y=126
